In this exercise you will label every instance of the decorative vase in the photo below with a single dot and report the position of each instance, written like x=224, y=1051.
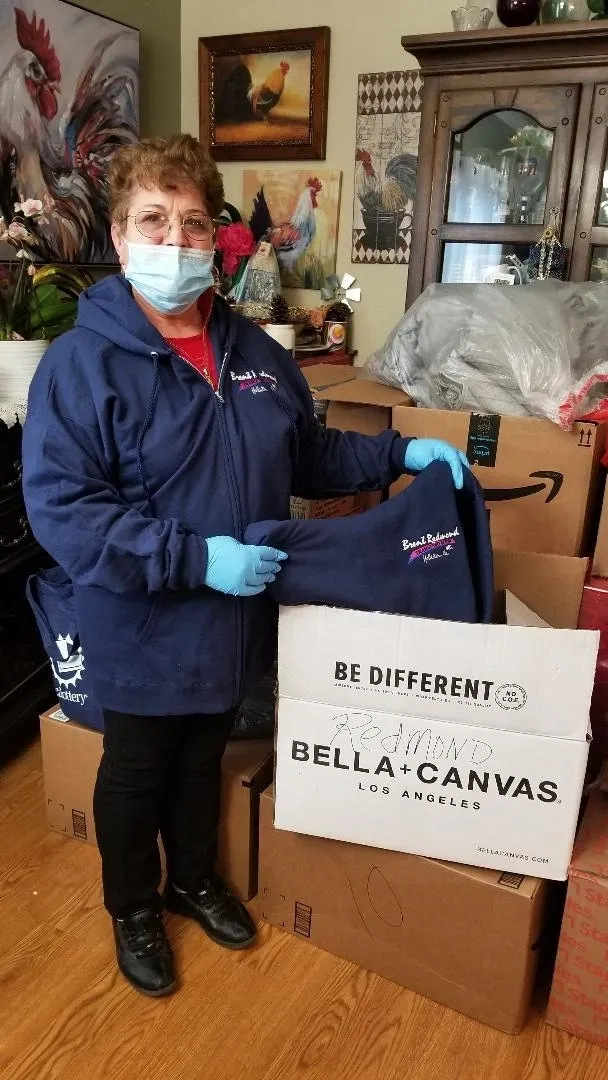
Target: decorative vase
x=518, y=12
x=564, y=11
x=284, y=333
x=471, y=17
x=598, y=9
x=18, y=362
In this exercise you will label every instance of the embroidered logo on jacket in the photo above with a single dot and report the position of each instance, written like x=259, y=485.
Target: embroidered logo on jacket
x=257, y=382
x=431, y=546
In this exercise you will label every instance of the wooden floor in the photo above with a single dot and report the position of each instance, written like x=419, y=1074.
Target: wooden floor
x=283, y=1009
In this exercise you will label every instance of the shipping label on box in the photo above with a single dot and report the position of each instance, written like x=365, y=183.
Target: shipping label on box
x=469, y=794
x=579, y=993
x=542, y=484
x=524, y=678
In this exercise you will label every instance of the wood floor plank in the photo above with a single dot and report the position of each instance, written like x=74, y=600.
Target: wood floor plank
x=281, y=1011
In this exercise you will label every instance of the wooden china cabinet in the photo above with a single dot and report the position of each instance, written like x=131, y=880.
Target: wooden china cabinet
x=514, y=124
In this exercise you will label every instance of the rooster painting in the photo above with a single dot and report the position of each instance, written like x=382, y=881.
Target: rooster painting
x=262, y=98
x=298, y=215
x=68, y=101
x=384, y=199
x=240, y=100
x=386, y=165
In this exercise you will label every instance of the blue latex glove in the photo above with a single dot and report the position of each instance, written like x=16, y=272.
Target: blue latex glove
x=240, y=569
x=421, y=452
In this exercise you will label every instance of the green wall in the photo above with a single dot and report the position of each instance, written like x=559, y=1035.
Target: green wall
x=160, y=60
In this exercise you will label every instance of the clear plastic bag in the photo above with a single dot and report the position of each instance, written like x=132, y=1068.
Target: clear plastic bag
x=535, y=350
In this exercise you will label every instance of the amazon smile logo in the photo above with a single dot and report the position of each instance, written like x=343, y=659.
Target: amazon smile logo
x=551, y=484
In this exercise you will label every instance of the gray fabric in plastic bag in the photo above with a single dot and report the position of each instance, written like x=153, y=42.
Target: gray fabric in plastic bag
x=534, y=350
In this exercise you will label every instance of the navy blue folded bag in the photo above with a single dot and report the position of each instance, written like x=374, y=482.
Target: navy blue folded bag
x=427, y=553
x=51, y=597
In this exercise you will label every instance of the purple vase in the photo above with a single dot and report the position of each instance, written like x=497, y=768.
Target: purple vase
x=518, y=12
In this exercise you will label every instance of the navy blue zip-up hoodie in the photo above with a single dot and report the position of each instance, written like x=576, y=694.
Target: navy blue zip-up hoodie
x=130, y=461
x=427, y=552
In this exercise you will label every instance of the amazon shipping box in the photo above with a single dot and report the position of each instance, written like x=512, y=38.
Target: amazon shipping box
x=579, y=994
x=542, y=484
x=464, y=937
x=70, y=760
x=457, y=741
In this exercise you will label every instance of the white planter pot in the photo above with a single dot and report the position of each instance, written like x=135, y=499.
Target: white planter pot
x=284, y=334
x=18, y=362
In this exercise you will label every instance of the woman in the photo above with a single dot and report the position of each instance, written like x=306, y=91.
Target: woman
x=157, y=429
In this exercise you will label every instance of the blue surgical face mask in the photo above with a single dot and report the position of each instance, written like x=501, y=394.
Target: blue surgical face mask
x=170, y=278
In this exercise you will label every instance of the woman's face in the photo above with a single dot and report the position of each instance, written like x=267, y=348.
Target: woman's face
x=178, y=217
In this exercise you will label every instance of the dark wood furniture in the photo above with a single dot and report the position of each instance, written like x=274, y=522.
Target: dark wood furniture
x=25, y=683
x=514, y=123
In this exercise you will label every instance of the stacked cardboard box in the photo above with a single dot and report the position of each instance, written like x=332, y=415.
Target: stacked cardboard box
x=579, y=994
x=542, y=483
x=464, y=937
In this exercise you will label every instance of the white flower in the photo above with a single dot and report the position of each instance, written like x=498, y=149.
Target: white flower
x=21, y=254
x=17, y=231
x=31, y=270
x=29, y=208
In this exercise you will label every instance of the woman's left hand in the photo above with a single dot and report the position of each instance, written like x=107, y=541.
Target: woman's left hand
x=421, y=452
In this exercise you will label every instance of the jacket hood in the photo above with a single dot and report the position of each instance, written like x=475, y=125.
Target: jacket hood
x=109, y=309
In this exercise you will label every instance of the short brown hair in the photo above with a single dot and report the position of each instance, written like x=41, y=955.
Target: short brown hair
x=163, y=163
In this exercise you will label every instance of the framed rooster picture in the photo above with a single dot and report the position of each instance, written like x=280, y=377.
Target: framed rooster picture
x=69, y=99
x=263, y=97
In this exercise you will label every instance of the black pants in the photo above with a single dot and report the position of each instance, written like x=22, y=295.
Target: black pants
x=157, y=774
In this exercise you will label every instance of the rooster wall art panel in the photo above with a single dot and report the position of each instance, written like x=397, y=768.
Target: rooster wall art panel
x=386, y=164
x=68, y=101
x=297, y=211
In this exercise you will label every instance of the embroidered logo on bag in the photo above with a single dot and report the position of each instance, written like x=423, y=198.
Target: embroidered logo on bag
x=431, y=546
x=68, y=670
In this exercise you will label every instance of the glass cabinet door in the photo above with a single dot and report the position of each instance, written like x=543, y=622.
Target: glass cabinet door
x=506, y=159
x=590, y=248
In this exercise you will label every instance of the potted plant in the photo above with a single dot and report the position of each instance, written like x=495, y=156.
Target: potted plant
x=37, y=302
x=279, y=325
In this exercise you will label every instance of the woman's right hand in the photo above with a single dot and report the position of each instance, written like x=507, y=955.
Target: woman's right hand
x=240, y=569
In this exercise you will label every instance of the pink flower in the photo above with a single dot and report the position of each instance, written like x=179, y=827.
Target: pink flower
x=235, y=242
x=29, y=207
x=17, y=231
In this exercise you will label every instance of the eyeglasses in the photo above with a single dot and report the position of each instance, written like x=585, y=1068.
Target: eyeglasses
x=155, y=225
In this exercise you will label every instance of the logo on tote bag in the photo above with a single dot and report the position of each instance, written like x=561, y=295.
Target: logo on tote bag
x=69, y=669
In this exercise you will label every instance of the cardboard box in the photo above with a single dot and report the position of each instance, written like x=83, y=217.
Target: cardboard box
x=71, y=755
x=579, y=993
x=542, y=482
x=466, y=938
x=600, y=556
x=551, y=585
x=594, y=616
x=452, y=740
x=342, y=506
x=322, y=376
x=362, y=405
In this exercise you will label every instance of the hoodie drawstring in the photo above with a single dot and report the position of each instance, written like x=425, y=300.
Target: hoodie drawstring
x=144, y=428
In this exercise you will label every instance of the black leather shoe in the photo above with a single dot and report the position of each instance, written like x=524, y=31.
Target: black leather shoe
x=221, y=915
x=143, y=952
